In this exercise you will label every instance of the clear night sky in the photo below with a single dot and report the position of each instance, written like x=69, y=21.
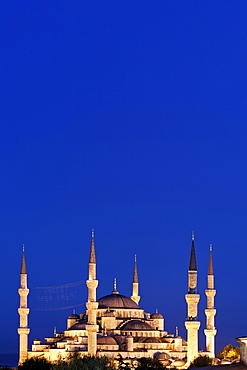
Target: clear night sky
x=128, y=117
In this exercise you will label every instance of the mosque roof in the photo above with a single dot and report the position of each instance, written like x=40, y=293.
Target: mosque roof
x=162, y=356
x=105, y=340
x=116, y=301
x=157, y=315
x=81, y=325
x=152, y=340
x=73, y=316
x=136, y=325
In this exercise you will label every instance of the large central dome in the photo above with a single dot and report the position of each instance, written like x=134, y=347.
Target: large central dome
x=117, y=301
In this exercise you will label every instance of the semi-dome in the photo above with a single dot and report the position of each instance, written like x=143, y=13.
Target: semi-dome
x=136, y=325
x=106, y=340
x=116, y=301
x=178, y=362
x=162, y=356
x=81, y=325
x=152, y=340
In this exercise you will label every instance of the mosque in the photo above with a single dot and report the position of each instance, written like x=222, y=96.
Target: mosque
x=115, y=325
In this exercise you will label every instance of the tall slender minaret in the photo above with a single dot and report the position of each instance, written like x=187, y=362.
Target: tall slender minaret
x=210, y=311
x=92, y=304
x=23, y=311
x=135, y=285
x=192, y=298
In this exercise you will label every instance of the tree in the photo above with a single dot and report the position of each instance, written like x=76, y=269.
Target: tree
x=149, y=363
x=35, y=364
x=201, y=361
x=230, y=351
x=76, y=362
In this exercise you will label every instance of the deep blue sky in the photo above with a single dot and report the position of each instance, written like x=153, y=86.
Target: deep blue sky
x=128, y=117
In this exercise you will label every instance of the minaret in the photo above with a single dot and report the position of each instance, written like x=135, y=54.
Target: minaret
x=192, y=298
x=92, y=304
x=135, y=285
x=210, y=311
x=23, y=311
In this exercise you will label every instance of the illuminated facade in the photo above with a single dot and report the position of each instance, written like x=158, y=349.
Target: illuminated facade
x=116, y=325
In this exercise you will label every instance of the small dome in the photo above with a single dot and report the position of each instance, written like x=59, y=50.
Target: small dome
x=157, y=315
x=162, y=356
x=178, y=363
x=36, y=339
x=152, y=340
x=81, y=325
x=167, y=339
x=65, y=339
x=225, y=361
x=166, y=362
x=116, y=301
x=136, y=325
x=106, y=340
x=74, y=316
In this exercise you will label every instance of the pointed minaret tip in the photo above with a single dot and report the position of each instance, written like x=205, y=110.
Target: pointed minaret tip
x=192, y=235
x=192, y=265
x=135, y=277
x=92, y=258
x=23, y=262
x=210, y=265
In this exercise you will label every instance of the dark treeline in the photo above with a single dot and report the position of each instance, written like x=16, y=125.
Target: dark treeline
x=75, y=362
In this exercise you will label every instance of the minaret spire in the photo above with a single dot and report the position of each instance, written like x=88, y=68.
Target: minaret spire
x=135, y=285
x=23, y=311
x=210, y=265
x=192, y=298
x=192, y=265
x=92, y=304
x=92, y=257
x=210, y=311
x=23, y=261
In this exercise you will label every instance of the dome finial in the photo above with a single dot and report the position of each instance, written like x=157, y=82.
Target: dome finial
x=115, y=287
x=211, y=247
x=193, y=235
x=23, y=248
x=92, y=233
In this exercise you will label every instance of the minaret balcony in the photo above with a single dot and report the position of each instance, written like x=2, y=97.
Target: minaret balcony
x=24, y=331
x=92, y=305
x=23, y=311
x=192, y=325
x=210, y=292
x=192, y=298
x=92, y=284
x=210, y=332
x=23, y=291
x=210, y=311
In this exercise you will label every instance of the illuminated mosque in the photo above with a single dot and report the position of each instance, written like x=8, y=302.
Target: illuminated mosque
x=115, y=325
